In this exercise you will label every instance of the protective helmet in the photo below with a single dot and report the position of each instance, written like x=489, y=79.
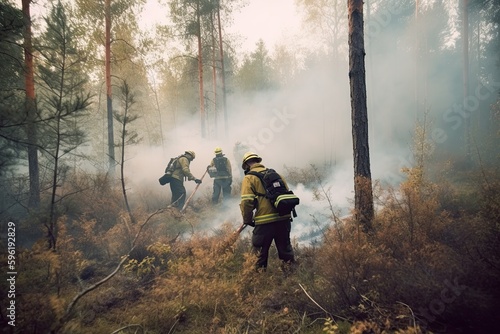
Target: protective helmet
x=249, y=156
x=191, y=153
x=218, y=150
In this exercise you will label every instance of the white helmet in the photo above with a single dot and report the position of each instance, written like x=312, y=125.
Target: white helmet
x=249, y=156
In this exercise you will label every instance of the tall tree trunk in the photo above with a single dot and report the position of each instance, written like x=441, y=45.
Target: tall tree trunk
x=214, y=80
x=157, y=102
x=417, y=61
x=223, y=73
x=482, y=123
x=52, y=221
x=31, y=131
x=363, y=195
x=123, y=140
x=109, y=101
x=421, y=64
x=200, y=73
x=465, y=45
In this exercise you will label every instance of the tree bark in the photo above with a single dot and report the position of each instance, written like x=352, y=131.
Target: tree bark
x=363, y=195
x=214, y=76
x=223, y=74
x=127, y=98
x=417, y=61
x=52, y=221
x=109, y=101
x=465, y=39
x=31, y=131
x=200, y=73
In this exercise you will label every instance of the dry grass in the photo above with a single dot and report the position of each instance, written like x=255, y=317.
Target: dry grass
x=390, y=281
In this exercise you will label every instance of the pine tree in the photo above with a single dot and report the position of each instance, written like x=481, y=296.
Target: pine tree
x=363, y=196
x=11, y=101
x=30, y=107
x=62, y=101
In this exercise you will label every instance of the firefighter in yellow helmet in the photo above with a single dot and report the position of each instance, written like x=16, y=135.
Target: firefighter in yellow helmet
x=180, y=173
x=220, y=170
x=259, y=212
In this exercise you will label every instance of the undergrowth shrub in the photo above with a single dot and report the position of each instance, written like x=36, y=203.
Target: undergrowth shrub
x=211, y=286
x=46, y=279
x=429, y=263
x=94, y=197
x=419, y=256
x=38, y=280
x=306, y=176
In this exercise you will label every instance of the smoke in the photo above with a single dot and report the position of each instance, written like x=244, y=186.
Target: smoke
x=306, y=124
x=278, y=146
x=309, y=122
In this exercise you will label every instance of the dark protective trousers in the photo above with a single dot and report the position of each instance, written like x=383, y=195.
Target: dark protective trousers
x=221, y=185
x=263, y=236
x=178, y=193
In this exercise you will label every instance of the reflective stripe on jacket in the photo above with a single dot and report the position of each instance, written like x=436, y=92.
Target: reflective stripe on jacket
x=252, y=199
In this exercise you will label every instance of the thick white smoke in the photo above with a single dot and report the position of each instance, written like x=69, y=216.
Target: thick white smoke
x=309, y=122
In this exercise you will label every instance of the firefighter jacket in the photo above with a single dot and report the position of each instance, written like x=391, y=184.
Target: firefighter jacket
x=181, y=170
x=252, y=198
x=225, y=172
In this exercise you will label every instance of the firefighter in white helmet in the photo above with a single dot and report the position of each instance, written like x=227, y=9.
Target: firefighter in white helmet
x=220, y=170
x=259, y=212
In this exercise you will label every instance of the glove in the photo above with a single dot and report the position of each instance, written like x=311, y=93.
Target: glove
x=252, y=223
x=198, y=181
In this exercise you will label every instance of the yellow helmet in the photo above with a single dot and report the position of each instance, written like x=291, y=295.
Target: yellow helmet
x=218, y=150
x=249, y=156
x=191, y=153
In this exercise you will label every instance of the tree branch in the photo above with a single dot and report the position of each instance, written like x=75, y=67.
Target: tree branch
x=72, y=304
x=328, y=313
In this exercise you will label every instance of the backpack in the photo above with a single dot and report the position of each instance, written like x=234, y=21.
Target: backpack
x=219, y=169
x=281, y=198
x=221, y=165
x=167, y=177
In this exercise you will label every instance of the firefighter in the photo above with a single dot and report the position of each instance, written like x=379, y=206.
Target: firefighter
x=181, y=172
x=268, y=224
x=220, y=170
